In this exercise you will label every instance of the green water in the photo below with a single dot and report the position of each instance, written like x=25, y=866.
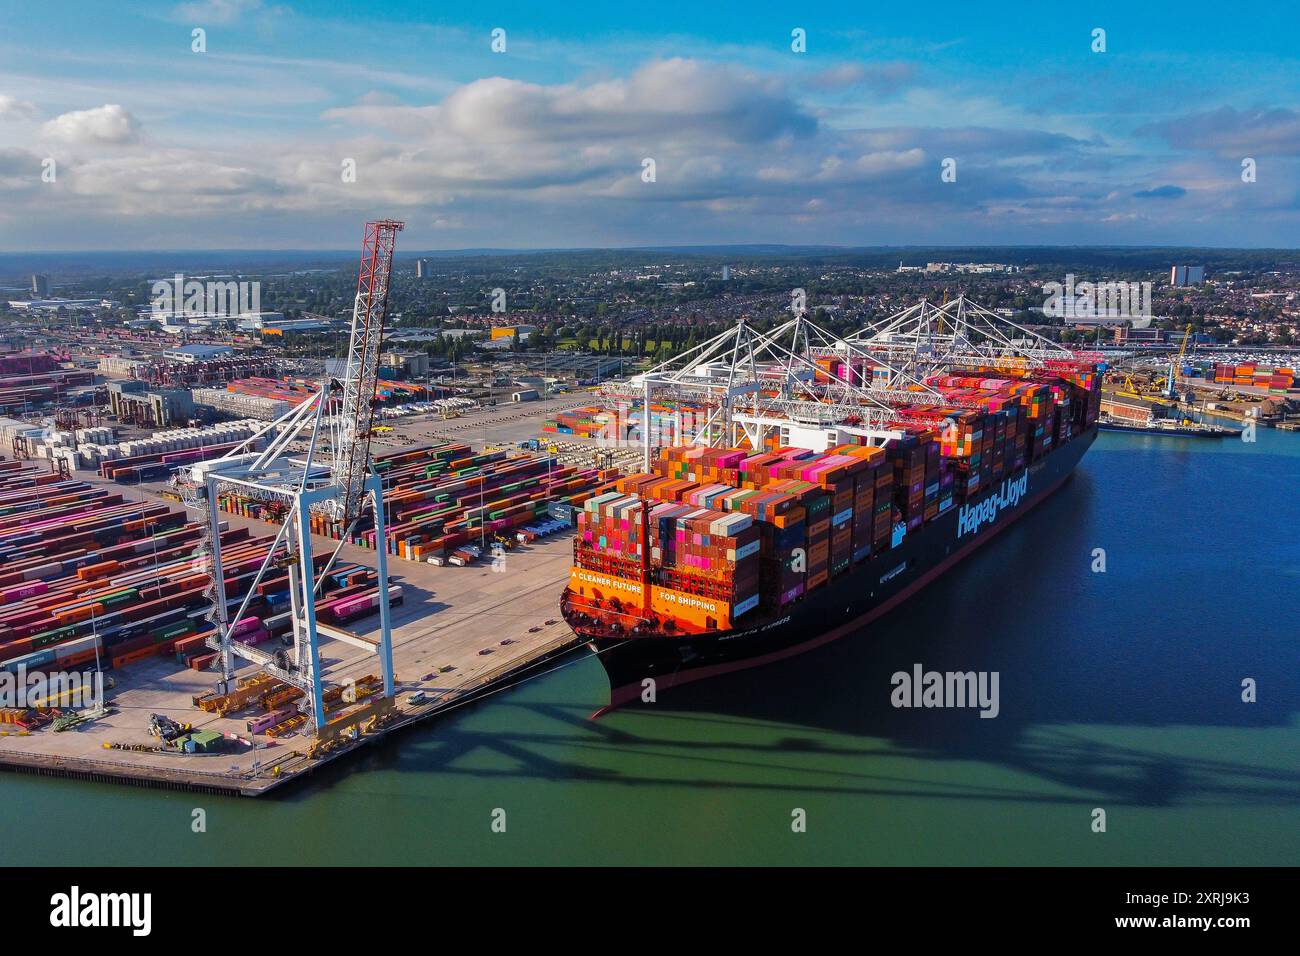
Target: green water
x=1119, y=691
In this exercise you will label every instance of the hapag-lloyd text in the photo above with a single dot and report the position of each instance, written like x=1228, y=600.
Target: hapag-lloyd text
x=973, y=517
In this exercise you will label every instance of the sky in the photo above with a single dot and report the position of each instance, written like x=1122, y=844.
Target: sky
x=298, y=120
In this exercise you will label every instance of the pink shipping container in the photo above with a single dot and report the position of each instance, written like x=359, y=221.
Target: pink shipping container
x=245, y=625
x=261, y=724
x=26, y=591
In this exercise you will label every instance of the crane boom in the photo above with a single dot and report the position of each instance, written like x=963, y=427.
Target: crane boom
x=360, y=377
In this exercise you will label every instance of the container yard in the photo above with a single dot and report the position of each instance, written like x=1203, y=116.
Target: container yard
x=104, y=570
x=1276, y=379
x=132, y=460
x=268, y=398
x=441, y=498
x=98, y=573
x=671, y=423
x=33, y=381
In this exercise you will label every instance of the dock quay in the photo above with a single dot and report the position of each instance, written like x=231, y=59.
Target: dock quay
x=461, y=613
x=461, y=634
x=250, y=777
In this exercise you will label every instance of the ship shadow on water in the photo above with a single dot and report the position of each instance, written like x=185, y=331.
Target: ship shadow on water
x=1084, y=661
x=1079, y=656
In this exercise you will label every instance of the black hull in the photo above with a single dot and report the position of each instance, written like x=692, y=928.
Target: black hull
x=1215, y=432
x=848, y=602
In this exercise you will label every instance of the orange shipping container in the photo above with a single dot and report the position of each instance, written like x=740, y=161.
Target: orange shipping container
x=604, y=586
x=690, y=610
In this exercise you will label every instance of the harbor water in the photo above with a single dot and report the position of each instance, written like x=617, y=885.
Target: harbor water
x=1120, y=690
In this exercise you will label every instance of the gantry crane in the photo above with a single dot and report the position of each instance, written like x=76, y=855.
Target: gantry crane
x=344, y=407
x=754, y=385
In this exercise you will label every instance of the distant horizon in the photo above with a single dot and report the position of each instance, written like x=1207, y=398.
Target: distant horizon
x=72, y=267
x=657, y=247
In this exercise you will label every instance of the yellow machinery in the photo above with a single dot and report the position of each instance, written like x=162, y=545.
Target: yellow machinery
x=363, y=719
x=66, y=698
x=1166, y=386
x=286, y=727
x=275, y=699
x=341, y=695
x=248, y=690
x=1136, y=389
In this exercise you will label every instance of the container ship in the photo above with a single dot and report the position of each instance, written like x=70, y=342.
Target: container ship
x=715, y=559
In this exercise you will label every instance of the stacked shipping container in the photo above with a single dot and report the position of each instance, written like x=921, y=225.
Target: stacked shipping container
x=84, y=575
x=441, y=497
x=1273, y=378
x=814, y=515
x=671, y=423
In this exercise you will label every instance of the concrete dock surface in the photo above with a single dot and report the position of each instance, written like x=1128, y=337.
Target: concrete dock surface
x=458, y=632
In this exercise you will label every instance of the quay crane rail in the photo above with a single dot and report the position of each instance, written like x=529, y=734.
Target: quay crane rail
x=345, y=407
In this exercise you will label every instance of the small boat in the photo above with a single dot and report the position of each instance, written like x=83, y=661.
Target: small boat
x=1165, y=426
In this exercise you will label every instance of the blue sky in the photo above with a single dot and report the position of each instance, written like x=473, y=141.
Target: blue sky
x=244, y=145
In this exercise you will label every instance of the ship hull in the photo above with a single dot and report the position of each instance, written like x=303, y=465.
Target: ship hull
x=1174, y=432
x=845, y=604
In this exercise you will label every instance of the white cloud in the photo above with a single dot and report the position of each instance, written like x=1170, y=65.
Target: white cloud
x=12, y=108
x=739, y=153
x=107, y=124
x=879, y=77
x=216, y=11
x=674, y=98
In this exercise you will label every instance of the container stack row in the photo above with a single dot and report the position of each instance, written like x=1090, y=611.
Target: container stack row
x=155, y=457
x=441, y=497
x=22, y=391
x=292, y=391
x=86, y=577
x=671, y=423
x=1274, y=378
x=798, y=519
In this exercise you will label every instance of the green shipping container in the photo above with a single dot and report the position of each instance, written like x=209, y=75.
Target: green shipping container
x=206, y=741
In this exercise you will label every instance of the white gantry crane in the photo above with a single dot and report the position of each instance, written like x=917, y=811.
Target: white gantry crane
x=924, y=339
x=753, y=385
x=287, y=472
